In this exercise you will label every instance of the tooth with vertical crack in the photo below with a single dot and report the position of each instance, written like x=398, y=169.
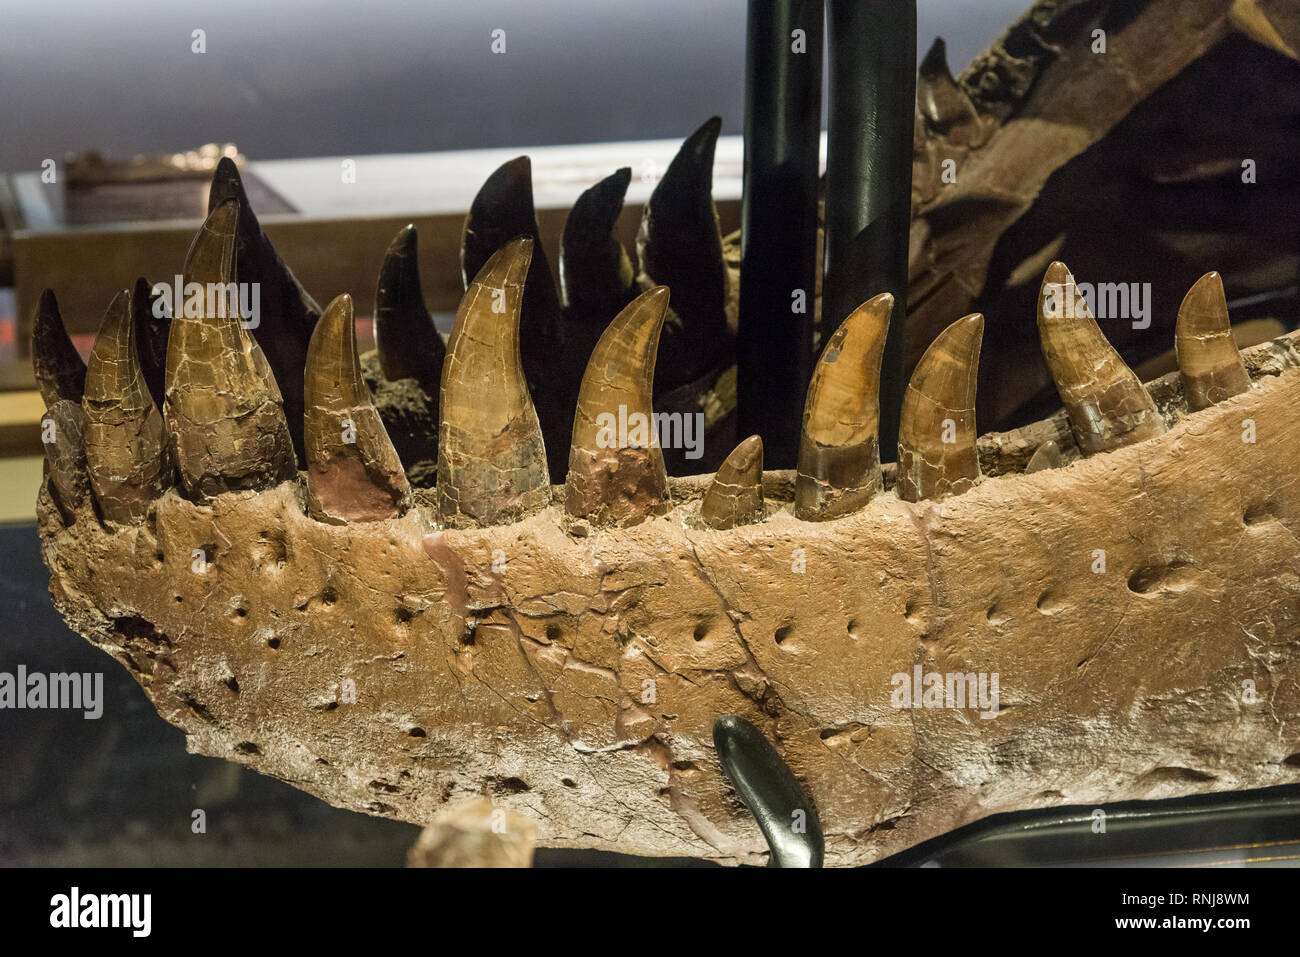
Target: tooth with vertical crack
x=150, y=339
x=491, y=457
x=839, y=450
x=406, y=339
x=60, y=371
x=735, y=496
x=63, y=438
x=1208, y=360
x=597, y=278
x=936, y=433
x=353, y=472
x=944, y=104
x=1106, y=403
x=616, y=466
x=125, y=442
x=1046, y=456
x=223, y=407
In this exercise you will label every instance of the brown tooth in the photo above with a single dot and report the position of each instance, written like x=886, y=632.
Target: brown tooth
x=1046, y=456
x=223, y=408
x=616, y=467
x=1208, y=359
x=60, y=371
x=150, y=339
x=945, y=105
x=839, y=450
x=1106, y=403
x=735, y=496
x=491, y=457
x=125, y=442
x=406, y=339
x=353, y=472
x=936, y=434
x=63, y=435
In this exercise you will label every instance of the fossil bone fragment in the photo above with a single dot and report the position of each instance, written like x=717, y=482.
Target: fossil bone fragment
x=1208, y=359
x=735, y=496
x=406, y=340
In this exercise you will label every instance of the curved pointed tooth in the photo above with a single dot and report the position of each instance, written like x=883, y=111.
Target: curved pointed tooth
x=1046, y=456
x=735, y=496
x=945, y=105
x=125, y=442
x=596, y=275
x=63, y=437
x=60, y=371
x=408, y=343
x=1208, y=359
x=936, y=432
x=491, y=457
x=353, y=472
x=839, y=450
x=616, y=467
x=223, y=407
x=150, y=338
x=1106, y=403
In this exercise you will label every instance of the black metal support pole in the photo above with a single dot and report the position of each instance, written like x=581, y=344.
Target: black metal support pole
x=872, y=96
x=783, y=80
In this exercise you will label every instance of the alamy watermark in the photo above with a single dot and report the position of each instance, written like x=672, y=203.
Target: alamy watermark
x=78, y=691
x=637, y=430
x=221, y=299
x=1105, y=300
x=953, y=689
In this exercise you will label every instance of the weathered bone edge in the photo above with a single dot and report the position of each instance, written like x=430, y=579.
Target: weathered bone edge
x=527, y=680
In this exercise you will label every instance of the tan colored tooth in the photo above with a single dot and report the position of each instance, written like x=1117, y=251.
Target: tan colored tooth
x=63, y=437
x=946, y=106
x=616, y=466
x=735, y=496
x=223, y=408
x=60, y=372
x=353, y=472
x=839, y=451
x=1046, y=456
x=125, y=445
x=1106, y=403
x=1208, y=359
x=936, y=435
x=491, y=457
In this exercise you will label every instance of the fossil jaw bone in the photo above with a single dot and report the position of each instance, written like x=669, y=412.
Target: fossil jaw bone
x=1208, y=359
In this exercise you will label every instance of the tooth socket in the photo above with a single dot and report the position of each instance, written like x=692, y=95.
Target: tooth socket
x=735, y=496
x=65, y=456
x=835, y=481
x=60, y=371
x=1208, y=360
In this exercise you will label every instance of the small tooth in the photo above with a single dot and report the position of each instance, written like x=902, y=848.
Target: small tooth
x=491, y=457
x=60, y=371
x=735, y=496
x=150, y=339
x=125, y=442
x=1208, y=359
x=616, y=467
x=596, y=275
x=1106, y=403
x=353, y=472
x=408, y=343
x=936, y=435
x=223, y=407
x=63, y=435
x=839, y=450
x=945, y=105
x=1046, y=456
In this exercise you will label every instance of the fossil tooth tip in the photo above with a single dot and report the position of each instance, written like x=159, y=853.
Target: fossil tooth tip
x=735, y=496
x=1208, y=360
x=946, y=107
x=60, y=371
x=406, y=339
x=1046, y=456
x=596, y=274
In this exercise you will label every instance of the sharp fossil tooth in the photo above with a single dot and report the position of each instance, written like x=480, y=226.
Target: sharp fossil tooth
x=60, y=371
x=408, y=343
x=150, y=339
x=839, y=450
x=353, y=472
x=735, y=496
x=491, y=457
x=63, y=437
x=1046, y=456
x=125, y=445
x=1106, y=403
x=1208, y=359
x=936, y=433
x=945, y=105
x=223, y=406
x=596, y=275
x=616, y=467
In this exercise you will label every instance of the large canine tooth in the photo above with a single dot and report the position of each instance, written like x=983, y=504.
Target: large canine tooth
x=945, y=105
x=408, y=343
x=125, y=443
x=287, y=313
x=1208, y=359
x=63, y=437
x=491, y=457
x=353, y=472
x=936, y=435
x=616, y=466
x=60, y=370
x=597, y=278
x=150, y=339
x=735, y=496
x=1106, y=403
x=679, y=246
x=839, y=450
x=223, y=406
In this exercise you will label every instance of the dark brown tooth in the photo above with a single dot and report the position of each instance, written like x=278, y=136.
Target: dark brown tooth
x=491, y=456
x=839, y=452
x=408, y=343
x=223, y=407
x=944, y=104
x=1208, y=359
x=936, y=435
x=353, y=472
x=1106, y=403
x=125, y=444
x=60, y=371
x=1046, y=456
x=597, y=277
x=151, y=338
x=616, y=467
x=63, y=436
x=735, y=496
